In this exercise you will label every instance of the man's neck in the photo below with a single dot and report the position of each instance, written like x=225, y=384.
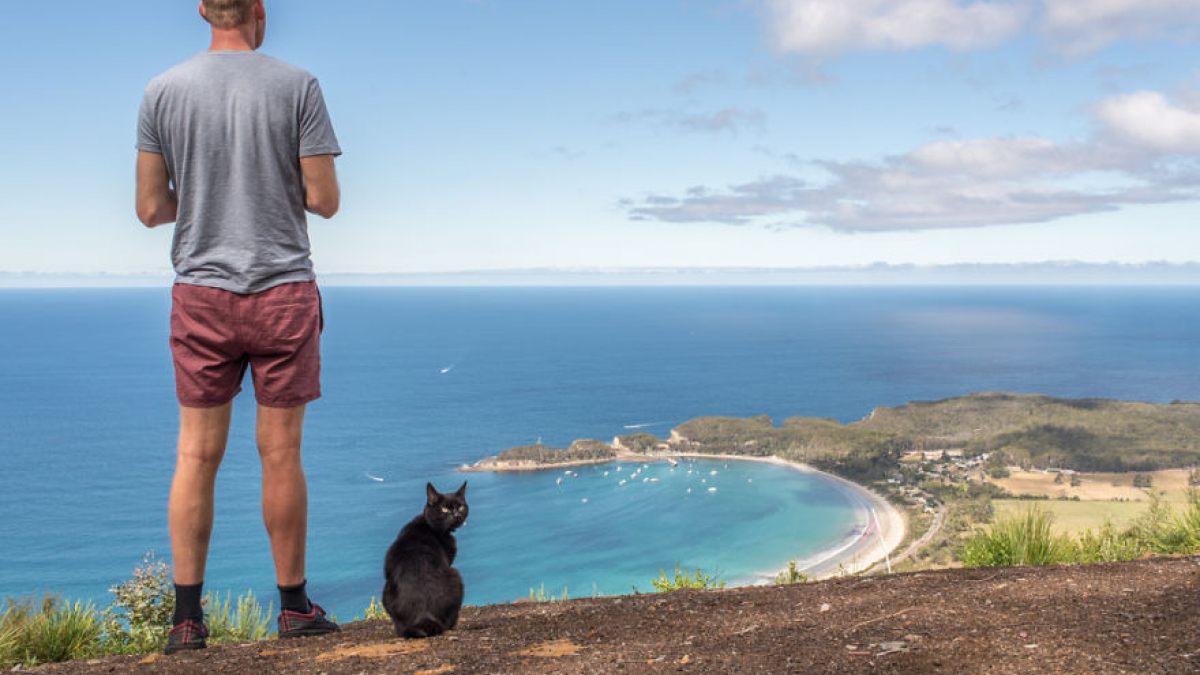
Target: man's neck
x=240, y=39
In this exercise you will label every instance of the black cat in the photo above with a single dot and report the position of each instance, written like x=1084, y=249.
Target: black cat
x=423, y=593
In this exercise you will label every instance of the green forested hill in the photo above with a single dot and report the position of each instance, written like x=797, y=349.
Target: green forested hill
x=1027, y=429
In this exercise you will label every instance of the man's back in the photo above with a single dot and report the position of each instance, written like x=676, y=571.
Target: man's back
x=234, y=147
x=231, y=127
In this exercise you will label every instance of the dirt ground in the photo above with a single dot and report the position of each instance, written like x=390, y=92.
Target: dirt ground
x=1140, y=617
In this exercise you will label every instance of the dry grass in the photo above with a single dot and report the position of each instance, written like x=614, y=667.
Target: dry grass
x=1036, y=483
x=1103, y=496
x=1098, y=486
x=1074, y=517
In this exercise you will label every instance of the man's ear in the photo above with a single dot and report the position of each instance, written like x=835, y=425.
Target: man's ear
x=260, y=12
x=203, y=12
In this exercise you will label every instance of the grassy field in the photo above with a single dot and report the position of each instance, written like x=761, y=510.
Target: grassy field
x=1075, y=517
x=1103, y=496
x=1171, y=484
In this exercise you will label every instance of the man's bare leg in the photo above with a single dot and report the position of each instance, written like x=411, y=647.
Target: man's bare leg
x=203, y=433
x=284, y=490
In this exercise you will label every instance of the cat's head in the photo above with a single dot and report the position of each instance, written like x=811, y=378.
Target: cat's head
x=446, y=512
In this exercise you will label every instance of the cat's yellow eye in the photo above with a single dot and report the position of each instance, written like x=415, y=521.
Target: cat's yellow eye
x=445, y=510
x=459, y=508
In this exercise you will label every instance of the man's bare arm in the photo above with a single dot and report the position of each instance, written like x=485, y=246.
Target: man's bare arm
x=321, y=193
x=156, y=202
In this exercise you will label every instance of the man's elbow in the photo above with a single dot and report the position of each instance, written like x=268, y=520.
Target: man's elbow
x=157, y=210
x=152, y=216
x=325, y=206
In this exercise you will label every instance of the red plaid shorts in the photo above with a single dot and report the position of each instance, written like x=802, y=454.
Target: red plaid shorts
x=216, y=334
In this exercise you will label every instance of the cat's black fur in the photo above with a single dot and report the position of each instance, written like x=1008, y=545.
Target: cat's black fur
x=423, y=593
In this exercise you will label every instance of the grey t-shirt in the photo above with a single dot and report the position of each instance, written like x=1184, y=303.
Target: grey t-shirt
x=232, y=127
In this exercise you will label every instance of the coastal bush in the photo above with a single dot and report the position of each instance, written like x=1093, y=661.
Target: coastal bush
x=1161, y=530
x=248, y=620
x=136, y=622
x=1030, y=540
x=1026, y=539
x=53, y=630
x=639, y=441
x=697, y=579
x=141, y=612
x=791, y=575
x=1106, y=545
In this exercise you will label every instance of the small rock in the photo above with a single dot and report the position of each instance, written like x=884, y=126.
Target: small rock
x=825, y=607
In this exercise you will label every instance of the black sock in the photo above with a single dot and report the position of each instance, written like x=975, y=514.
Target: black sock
x=187, y=603
x=294, y=598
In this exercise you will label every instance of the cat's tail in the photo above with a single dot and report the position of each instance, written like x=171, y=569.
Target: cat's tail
x=427, y=626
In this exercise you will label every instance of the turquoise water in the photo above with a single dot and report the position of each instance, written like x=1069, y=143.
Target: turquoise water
x=420, y=381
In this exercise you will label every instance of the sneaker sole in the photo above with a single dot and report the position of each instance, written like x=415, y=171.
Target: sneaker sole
x=309, y=632
x=172, y=649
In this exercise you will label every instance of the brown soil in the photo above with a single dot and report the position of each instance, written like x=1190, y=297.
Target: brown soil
x=1140, y=617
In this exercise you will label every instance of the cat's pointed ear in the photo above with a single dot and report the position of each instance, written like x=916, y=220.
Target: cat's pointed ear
x=462, y=491
x=431, y=494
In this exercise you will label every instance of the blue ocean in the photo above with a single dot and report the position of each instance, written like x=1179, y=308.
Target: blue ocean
x=419, y=381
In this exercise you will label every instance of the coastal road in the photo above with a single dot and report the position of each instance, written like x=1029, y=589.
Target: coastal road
x=938, y=519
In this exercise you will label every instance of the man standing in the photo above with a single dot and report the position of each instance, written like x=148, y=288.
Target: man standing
x=234, y=146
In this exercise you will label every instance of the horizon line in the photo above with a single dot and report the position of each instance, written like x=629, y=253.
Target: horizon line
x=878, y=273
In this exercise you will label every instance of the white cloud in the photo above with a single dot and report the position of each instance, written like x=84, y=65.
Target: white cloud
x=940, y=185
x=1084, y=26
x=1147, y=120
x=825, y=27
x=1073, y=27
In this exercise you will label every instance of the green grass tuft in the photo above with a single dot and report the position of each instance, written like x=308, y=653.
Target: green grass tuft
x=682, y=579
x=247, y=620
x=791, y=575
x=1027, y=539
x=52, y=630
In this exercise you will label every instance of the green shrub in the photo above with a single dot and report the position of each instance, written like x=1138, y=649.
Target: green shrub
x=1106, y=545
x=791, y=575
x=248, y=621
x=1017, y=540
x=663, y=584
x=1162, y=531
x=140, y=616
x=53, y=631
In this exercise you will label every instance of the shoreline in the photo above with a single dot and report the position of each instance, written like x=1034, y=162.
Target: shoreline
x=879, y=526
x=878, y=519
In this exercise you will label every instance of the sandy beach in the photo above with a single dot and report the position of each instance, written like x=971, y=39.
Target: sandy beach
x=879, y=527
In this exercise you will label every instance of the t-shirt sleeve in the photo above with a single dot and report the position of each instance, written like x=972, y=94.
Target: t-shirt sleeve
x=147, y=132
x=316, y=129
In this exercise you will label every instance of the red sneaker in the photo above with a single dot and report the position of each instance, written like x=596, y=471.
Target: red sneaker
x=188, y=635
x=294, y=624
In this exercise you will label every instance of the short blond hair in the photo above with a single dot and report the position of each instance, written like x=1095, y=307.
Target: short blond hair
x=227, y=14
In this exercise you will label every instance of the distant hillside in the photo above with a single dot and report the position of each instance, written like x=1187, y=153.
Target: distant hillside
x=524, y=457
x=1026, y=429
x=1040, y=431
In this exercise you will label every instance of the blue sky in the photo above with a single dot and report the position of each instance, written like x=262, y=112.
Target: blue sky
x=497, y=135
